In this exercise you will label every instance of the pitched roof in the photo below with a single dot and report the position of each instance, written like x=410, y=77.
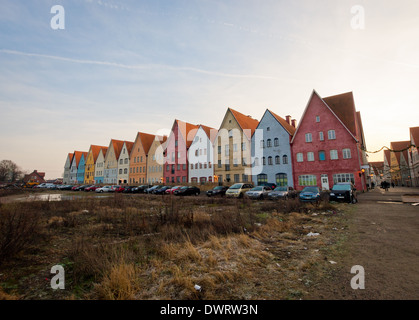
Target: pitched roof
x=400, y=147
x=211, y=132
x=77, y=156
x=414, y=133
x=104, y=150
x=95, y=151
x=387, y=155
x=146, y=140
x=117, y=147
x=289, y=128
x=377, y=166
x=185, y=128
x=129, y=146
x=245, y=122
x=343, y=106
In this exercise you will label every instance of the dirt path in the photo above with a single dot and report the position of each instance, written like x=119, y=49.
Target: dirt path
x=385, y=241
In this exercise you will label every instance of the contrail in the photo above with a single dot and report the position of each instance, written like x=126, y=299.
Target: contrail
x=136, y=67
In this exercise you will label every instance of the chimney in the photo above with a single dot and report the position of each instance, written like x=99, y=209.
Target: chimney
x=294, y=123
x=288, y=119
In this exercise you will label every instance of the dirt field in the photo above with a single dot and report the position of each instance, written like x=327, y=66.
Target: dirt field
x=384, y=239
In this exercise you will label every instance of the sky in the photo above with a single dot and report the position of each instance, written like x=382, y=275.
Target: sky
x=123, y=66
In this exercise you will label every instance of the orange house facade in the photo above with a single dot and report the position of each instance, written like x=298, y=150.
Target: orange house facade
x=138, y=158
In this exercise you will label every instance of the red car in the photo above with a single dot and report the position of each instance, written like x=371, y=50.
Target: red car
x=91, y=188
x=119, y=189
x=171, y=190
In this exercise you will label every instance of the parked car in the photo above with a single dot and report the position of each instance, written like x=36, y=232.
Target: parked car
x=104, y=189
x=161, y=190
x=186, y=191
x=141, y=189
x=118, y=188
x=282, y=193
x=129, y=189
x=310, y=194
x=217, y=191
x=172, y=190
x=267, y=184
x=343, y=191
x=151, y=189
x=259, y=192
x=91, y=188
x=237, y=190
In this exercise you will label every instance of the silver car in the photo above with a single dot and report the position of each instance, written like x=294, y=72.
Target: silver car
x=259, y=192
x=282, y=193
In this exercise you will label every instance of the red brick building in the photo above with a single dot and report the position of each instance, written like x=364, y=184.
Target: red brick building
x=175, y=168
x=328, y=145
x=35, y=176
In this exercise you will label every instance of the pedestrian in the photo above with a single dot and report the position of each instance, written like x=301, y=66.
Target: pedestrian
x=392, y=184
x=386, y=185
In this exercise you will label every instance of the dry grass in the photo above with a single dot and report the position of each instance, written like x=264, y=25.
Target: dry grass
x=161, y=247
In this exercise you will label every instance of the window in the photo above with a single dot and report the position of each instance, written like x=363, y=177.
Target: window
x=346, y=153
x=262, y=143
x=219, y=164
x=268, y=129
x=331, y=134
x=125, y=171
x=269, y=143
x=318, y=119
x=334, y=155
x=167, y=168
x=120, y=171
x=270, y=162
x=235, y=147
x=244, y=162
x=196, y=165
x=228, y=177
x=276, y=142
x=219, y=149
x=191, y=166
x=343, y=177
x=227, y=150
x=121, y=161
x=256, y=162
x=236, y=178
x=245, y=178
x=230, y=133
x=210, y=165
x=184, y=166
x=321, y=136
x=178, y=167
x=235, y=162
x=310, y=156
x=300, y=157
x=262, y=178
x=176, y=143
x=200, y=166
x=263, y=161
x=277, y=160
x=307, y=180
x=322, y=155
x=243, y=146
x=285, y=159
x=309, y=138
x=281, y=179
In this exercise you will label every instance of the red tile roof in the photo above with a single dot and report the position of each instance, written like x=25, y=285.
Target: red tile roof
x=289, y=128
x=129, y=146
x=245, y=122
x=117, y=147
x=398, y=148
x=343, y=106
x=185, y=129
x=95, y=151
x=77, y=155
x=211, y=132
x=414, y=132
x=146, y=140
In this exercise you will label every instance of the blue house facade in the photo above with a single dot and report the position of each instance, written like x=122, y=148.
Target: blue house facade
x=81, y=168
x=272, y=161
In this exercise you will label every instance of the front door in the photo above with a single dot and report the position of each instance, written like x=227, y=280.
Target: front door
x=325, y=182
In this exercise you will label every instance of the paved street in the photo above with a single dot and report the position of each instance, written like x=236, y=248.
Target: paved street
x=384, y=239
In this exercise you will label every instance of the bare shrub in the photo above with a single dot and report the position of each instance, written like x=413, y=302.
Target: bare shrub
x=17, y=229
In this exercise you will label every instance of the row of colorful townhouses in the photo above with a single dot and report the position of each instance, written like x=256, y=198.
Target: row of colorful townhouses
x=401, y=162
x=327, y=147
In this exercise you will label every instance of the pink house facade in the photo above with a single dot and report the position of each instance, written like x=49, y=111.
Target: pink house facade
x=328, y=144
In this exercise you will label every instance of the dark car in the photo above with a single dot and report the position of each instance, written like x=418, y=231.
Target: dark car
x=151, y=189
x=268, y=184
x=141, y=189
x=344, y=191
x=81, y=188
x=128, y=189
x=217, y=191
x=310, y=194
x=161, y=190
x=187, y=191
